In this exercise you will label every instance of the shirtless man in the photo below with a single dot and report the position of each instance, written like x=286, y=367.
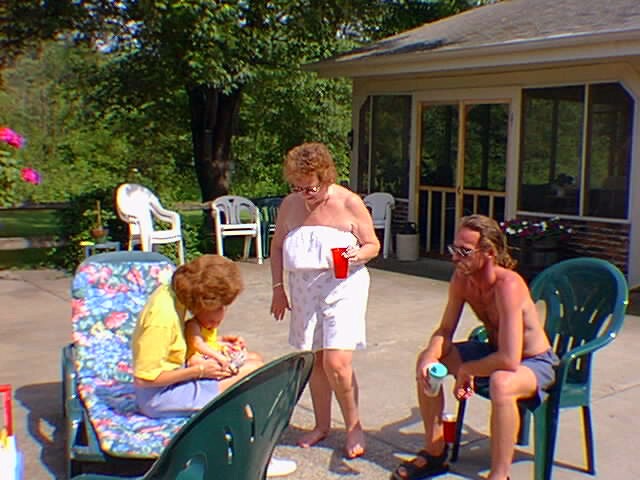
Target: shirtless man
x=518, y=358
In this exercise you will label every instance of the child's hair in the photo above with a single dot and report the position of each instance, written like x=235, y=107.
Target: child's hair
x=491, y=238
x=207, y=283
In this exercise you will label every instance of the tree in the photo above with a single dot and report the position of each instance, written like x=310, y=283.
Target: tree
x=212, y=50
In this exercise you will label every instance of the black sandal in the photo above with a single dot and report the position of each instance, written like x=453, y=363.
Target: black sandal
x=433, y=466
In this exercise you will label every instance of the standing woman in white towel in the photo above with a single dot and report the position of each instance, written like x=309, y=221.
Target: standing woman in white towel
x=327, y=313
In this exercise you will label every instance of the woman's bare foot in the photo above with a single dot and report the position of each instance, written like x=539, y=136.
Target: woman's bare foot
x=355, y=445
x=309, y=439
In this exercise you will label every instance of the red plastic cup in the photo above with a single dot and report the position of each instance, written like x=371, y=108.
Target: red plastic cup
x=340, y=263
x=449, y=427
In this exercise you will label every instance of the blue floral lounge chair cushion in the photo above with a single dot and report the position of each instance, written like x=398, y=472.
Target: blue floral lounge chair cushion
x=108, y=292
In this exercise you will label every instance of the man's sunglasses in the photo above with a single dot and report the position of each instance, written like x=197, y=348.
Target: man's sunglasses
x=461, y=251
x=314, y=189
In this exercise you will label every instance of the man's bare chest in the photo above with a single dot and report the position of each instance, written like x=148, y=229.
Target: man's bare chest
x=485, y=309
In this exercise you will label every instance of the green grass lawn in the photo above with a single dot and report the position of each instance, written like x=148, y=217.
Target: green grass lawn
x=28, y=223
x=36, y=222
x=25, y=259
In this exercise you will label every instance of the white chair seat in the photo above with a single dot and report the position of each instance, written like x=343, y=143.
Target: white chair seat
x=138, y=207
x=235, y=216
x=381, y=204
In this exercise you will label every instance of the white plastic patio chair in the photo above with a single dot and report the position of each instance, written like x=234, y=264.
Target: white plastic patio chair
x=381, y=204
x=235, y=216
x=138, y=206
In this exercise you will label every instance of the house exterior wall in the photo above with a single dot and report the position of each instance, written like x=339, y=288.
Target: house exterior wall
x=615, y=240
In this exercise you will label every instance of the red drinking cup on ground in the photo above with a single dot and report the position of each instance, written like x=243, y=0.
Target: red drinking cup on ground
x=340, y=262
x=449, y=427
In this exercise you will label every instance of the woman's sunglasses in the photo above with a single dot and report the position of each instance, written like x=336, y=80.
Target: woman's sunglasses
x=314, y=189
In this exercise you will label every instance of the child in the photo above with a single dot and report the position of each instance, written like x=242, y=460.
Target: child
x=202, y=339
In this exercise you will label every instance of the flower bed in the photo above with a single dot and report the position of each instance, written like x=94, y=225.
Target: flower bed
x=535, y=231
x=535, y=244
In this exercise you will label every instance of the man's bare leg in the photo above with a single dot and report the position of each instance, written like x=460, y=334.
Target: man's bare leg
x=321, y=399
x=339, y=369
x=431, y=409
x=431, y=412
x=506, y=388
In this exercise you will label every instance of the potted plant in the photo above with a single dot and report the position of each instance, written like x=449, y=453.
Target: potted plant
x=98, y=232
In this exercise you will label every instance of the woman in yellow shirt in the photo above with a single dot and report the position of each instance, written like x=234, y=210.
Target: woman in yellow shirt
x=165, y=384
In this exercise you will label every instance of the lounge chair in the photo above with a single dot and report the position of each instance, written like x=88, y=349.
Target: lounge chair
x=105, y=432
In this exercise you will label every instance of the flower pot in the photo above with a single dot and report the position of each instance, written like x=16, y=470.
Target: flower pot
x=99, y=234
x=534, y=255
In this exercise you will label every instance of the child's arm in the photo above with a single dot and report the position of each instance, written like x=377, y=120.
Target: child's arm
x=235, y=341
x=197, y=343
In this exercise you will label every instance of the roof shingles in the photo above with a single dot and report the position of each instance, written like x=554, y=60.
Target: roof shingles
x=510, y=21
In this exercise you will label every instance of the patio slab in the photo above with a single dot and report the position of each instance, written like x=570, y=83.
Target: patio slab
x=403, y=310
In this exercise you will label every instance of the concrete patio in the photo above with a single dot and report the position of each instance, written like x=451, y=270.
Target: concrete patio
x=403, y=310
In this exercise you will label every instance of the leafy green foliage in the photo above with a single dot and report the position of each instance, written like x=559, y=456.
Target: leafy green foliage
x=109, y=101
x=76, y=221
x=281, y=109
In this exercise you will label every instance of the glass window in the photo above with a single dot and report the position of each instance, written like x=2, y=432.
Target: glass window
x=390, y=137
x=439, y=140
x=552, y=157
x=364, y=120
x=551, y=149
x=609, y=152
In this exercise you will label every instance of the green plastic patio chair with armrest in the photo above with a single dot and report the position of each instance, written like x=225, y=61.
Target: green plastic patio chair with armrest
x=586, y=301
x=269, y=218
x=268, y=207
x=234, y=435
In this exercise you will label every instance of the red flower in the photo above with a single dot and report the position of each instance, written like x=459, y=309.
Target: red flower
x=30, y=175
x=10, y=137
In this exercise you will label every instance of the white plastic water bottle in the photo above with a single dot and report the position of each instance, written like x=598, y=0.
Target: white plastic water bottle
x=436, y=372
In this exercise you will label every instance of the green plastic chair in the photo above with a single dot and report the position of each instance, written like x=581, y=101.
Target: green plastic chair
x=269, y=216
x=233, y=437
x=586, y=301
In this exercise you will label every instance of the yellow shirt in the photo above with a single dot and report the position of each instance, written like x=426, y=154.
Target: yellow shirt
x=158, y=342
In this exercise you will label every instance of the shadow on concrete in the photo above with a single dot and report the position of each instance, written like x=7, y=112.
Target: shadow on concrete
x=383, y=449
x=45, y=423
x=423, y=267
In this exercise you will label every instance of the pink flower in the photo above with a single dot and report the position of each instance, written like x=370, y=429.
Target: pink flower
x=115, y=319
x=30, y=175
x=10, y=137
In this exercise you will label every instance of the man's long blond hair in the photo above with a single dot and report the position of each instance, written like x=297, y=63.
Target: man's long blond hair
x=491, y=237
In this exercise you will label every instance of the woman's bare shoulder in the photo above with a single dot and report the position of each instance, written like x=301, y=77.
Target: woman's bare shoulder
x=287, y=202
x=349, y=199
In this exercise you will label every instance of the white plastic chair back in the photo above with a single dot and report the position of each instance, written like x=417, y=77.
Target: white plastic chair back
x=138, y=207
x=381, y=204
x=236, y=216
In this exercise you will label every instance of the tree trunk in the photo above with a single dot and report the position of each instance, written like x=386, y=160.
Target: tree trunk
x=213, y=116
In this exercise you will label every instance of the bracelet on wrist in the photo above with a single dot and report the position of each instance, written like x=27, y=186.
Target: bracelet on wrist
x=276, y=285
x=201, y=367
